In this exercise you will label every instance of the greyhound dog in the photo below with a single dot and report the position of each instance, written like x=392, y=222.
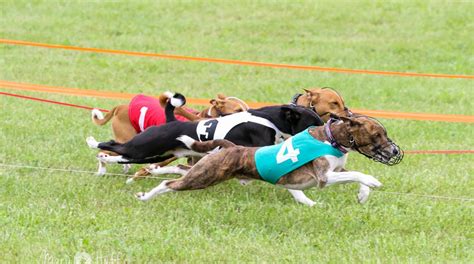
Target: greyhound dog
x=323, y=101
x=145, y=111
x=314, y=157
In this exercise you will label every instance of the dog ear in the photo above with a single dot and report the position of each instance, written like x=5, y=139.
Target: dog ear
x=351, y=121
x=221, y=102
x=290, y=113
x=300, y=118
x=221, y=96
x=312, y=95
x=213, y=102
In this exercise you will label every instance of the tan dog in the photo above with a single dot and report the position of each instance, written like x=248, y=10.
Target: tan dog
x=362, y=134
x=220, y=106
x=124, y=130
x=324, y=101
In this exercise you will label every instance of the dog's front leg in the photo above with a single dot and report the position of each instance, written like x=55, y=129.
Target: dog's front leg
x=300, y=197
x=366, y=181
x=364, y=191
x=352, y=176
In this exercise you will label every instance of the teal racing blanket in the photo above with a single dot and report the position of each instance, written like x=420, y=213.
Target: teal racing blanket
x=273, y=162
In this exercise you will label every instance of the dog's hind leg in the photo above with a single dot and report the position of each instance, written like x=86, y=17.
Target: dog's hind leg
x=145, y=171
x=161, y=170
x=101, y=170
x=160, y=189
x=106, y=158
x=207, y=172
x=126, y=168
x=92, y=143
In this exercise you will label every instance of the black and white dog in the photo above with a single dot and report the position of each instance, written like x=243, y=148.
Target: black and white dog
x=259, y=127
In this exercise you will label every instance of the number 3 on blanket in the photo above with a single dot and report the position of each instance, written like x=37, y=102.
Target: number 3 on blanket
x=291, y=153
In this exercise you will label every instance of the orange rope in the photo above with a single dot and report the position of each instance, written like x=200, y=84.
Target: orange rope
x=234, y=62
x=205, y=102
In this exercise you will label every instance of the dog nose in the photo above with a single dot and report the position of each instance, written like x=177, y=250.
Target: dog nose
x=395, y=151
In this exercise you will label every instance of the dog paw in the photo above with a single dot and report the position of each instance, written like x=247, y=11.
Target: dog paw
x=244, y=182
x=140, y=174
x=140, y=196
x=126, y=168
x=363, y=195
x=308, y=202
x=129, y=180
x=371, y=181
x=101, y=171
x=101, y=156
x=92, y=143
x=153, y=169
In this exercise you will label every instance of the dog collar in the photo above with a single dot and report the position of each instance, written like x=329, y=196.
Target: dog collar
x=332, y=140
x=294, y=99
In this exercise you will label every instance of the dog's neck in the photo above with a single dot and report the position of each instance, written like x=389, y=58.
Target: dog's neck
x=339, y=134
x=304, y=100
x=209, y=112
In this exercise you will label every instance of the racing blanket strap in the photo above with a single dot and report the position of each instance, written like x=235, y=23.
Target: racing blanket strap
x=273, y=162
x=217, y=128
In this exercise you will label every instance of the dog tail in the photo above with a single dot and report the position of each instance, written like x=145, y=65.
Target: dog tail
x=175, y=100
x=206, y=146
x=98, y=117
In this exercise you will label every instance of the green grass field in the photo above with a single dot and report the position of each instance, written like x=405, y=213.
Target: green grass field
x=50, y=216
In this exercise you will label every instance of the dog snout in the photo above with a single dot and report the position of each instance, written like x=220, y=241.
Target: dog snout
x=395, y=151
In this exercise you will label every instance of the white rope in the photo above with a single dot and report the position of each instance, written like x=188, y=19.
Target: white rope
x=163, y=178
x=429, y=196
x=74, y=171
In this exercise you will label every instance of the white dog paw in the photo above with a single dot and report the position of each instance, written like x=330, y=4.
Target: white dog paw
x=129, y=180
x=153, y=169
x=126, y=168
x=102, y=157
x=92, y=143
x=363, y=195
x=307, y=202
x=244, y=182
x=371, y=182
x=101, y=171
x=141, y=196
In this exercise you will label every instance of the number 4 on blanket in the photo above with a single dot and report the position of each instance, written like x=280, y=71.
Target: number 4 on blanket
x=273, y=162
x=291, y=153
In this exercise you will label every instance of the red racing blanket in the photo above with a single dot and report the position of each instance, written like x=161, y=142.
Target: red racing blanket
x=145, y=111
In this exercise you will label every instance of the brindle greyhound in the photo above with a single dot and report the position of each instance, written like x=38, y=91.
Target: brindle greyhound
x=360, y=133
